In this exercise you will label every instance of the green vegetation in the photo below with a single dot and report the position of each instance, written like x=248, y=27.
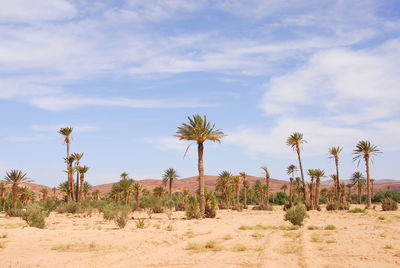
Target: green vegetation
x=389, y=204
x=35, y=216
x=357, y=210
x=296, y=215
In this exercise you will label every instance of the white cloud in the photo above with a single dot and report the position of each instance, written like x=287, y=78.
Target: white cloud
x=55, y=128
x=37, y=10
x=60, y=102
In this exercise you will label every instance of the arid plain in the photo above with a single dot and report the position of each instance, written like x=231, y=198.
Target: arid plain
x=233, y=239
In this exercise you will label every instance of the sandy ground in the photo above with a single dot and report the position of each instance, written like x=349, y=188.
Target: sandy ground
x=359, y=240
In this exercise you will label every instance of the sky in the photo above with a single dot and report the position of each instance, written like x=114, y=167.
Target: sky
x=125, y=74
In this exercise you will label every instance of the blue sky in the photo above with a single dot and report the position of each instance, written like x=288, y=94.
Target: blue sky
x=125, y=74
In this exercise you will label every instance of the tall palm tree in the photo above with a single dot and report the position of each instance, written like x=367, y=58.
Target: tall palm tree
x=260, y=188
x=365, y=150
x=67, y=138
x=295, y=141
x=372, y=187
x=124, y=186
x=318, y=173
x=311, y=173
x=245, y=184
x=334, y=153
x=358, y=180
x=64, y=187
x=137, y=190
x=199, y=130
x=78, y=191
x=291, y=170
x=82, y=171
x=70, y=170
x=86, y=189
x=236, y=184
x=168, y=177
x=267, y=177
x=223, y=185
x=44, y=193
x=15, y=177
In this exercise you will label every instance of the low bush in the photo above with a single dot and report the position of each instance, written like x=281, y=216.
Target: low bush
x=35, y=216
x=121, y=218
x=296, y=215
x=357, y=210
x=140, y=224
x=193, y=210
x=389, y=204
x=335, y=206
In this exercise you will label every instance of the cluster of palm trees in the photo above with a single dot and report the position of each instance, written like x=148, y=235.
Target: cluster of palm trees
x=74, y=190
x=126, y=189
x=15, y=177
x=199, y=130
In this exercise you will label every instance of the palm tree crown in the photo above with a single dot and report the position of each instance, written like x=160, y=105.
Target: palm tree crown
x=366, y=150
x=168, y=177
x=16, y=176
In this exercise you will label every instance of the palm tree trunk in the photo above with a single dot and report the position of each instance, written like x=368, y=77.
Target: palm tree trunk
x=237, y=196
x=82, y=178
x=14, y=197
x=312, y=194
x=267, y=194
x=245, y=197
x=302, y=176
x=200, y=149
x=317, y=193
x=337, y=177
x=291, y=192
x=170, y=189
x=77, y=183
x=359, y=194
x=368, y=182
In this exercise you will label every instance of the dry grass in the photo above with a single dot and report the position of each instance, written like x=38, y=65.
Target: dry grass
x=257, y=236
x=316, y=238
x=239, y=247
x=79, y=247
x=330, y=227
x=227, y=237
x=293, y=235
x=211, y=245
x=259, y=227
x=288, y=248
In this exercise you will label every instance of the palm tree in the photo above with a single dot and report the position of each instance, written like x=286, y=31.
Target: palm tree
x=223, y=184
x=311, y=173
x=295, y=141
x=334, y=153
x=54, y=191
x=2, y=195
x=15, y=177
x=245, y=185
x=137, y=190
x=78, y=158
x=70, y=170
x=349, y=191
x=284, y=188
x=158, y=192
x=124, y=176
x=358, y=181
x=82, y=171
x=199, y=130
x=236, y=184
x=25, y=195
x=365, y=150
x=291, y=171
x=86, y=189
x=259, y=188
x=169, y=176
x=185, y=193
x=96, y=194
x=124, y=186
x=318, y=173
x=67, y=138
x=64, y=187
x=44, y=192
x=267, y=177
x=372, y=187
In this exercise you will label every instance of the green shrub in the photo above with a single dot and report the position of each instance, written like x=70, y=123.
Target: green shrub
x=193, y=210
x=334, y=206
x=296, y=215
x=35, y=216
x=357, y=210
x=121, y=218
x=140, y=224
x=330, y=227
x=389, y=204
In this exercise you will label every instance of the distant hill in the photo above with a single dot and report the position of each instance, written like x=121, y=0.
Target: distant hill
x=36, y=189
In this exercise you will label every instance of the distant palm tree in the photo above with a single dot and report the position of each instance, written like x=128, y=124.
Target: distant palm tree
x=124, y=186
x=236, y=184
x=2, y=195
x=67, y=138
x=168, y=177
x=284, y=188
x=25, y=195
x=349, y=191
x=86, y=189
x=291, y=171
x=137, y=190
x=158, y=192
x=82, y=171
x=78, y=190
x=223, y=185
x=124, y=176
x=365, y=150
x=70, y=171
x=334, y=153
x=260, y=188
x=96, y=194
x=245, y=185
x=44, y=192
x=358, y=181
x=318, y=173
x=185, y=193
x=54, y=191
x=199, y=130
x=295, y=141
x=64, y=187
x=267, y=177
x=15, y=177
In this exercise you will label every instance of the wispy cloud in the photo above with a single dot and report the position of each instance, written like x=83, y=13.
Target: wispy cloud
x=55, y=128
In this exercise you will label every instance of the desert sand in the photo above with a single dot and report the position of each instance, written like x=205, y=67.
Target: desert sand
x=358, y=240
